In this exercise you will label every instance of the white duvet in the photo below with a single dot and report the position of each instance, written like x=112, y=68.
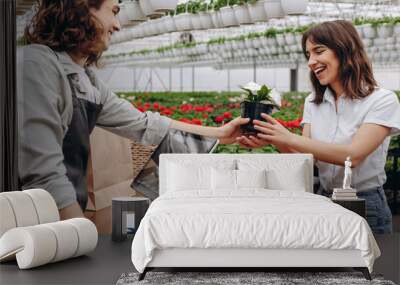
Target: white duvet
x=256, y=218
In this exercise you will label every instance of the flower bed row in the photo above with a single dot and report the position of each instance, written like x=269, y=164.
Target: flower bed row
x=215, y=109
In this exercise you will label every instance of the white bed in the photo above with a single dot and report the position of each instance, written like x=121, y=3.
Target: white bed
x=203, y=219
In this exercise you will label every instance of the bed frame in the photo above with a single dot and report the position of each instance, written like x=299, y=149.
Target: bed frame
x=242, y=259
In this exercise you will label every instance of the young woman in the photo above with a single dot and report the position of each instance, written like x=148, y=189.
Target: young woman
x=61, y=100
x=347, y=115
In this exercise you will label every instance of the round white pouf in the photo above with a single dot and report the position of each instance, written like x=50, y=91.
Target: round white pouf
x=6, y=216
x=33, y=246
x=87, y=235
x=45, y=205
x=23, y=208
x=67, y=240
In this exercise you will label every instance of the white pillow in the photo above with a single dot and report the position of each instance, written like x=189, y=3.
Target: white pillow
x=190, y=176
x=281, y=174
x=280, y=180
x=223, y=179
x=251, y=178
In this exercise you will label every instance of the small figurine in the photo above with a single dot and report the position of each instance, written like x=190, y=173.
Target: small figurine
x=347, y=174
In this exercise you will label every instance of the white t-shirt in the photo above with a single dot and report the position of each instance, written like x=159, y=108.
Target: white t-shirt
x=381, y=107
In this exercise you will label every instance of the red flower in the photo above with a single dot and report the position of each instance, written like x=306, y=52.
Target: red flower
x=196, y=121
x=227, y=115
x=199, y=109
x=156, y=106
x=205, y=115
x=167, y=112
x=209, y=109
x=219, y=119
x=184, y=120
x=173, y=108
x=185, y=108
x=162, y=108
x=147, y=105
x=141, y=109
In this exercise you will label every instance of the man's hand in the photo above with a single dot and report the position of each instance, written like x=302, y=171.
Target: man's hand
x=230, y=131
x=71, y=211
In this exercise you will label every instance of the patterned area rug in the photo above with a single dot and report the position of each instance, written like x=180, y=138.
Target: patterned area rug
x=243, y=278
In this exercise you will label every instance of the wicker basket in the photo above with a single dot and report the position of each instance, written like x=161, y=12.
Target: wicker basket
x=141, y=155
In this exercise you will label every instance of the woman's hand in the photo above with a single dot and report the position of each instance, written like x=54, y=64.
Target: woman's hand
x=251, y=141
x=272, y=131
x=230, y=131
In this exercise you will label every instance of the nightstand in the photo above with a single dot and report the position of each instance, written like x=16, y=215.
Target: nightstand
x=356, y=205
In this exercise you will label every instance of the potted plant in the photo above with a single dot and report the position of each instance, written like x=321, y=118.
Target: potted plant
x=258, y=100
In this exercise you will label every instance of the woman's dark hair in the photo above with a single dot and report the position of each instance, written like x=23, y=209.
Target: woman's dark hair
x=355, y=71
x=68, y=25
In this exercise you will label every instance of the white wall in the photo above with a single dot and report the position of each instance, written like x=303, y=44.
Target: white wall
x=209, y=79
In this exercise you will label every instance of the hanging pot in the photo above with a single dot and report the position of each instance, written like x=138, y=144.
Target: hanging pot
x=253, y=111
x=294, y=7
x=369, y=31
x=216, y=19
x=149, y=10
x=273, y=9
x=257, y=11
x=134, y=11
x=182, y=22
x=169, y=23
x=195, y=20
x=206, y=20
x=228, y=17
x=163, y=5
x=242, y=14
x=385, y=31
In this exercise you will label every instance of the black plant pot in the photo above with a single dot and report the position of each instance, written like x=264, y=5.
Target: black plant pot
x=253, y=111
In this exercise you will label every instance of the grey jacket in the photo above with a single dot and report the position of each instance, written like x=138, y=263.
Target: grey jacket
x=45, y=111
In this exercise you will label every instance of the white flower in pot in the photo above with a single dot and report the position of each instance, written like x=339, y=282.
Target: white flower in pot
x=273, y=9
x=259, y=99
x=257, y=11
x=294, y=7
x=242, y=14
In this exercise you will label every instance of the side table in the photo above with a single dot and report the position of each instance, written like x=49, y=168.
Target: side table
x=121, y=207
x=355, y=205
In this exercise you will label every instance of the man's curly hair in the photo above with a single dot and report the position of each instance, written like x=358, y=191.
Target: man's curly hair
x=68, y=25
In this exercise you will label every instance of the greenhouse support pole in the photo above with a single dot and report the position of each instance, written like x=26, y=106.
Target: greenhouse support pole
x=170, y=79
x=193, y=78
x=181, y=79
x=8, y=98
x=134, y=79
x=151, y=79
x=228, y=71
x=294, y=79
x=254, y=70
